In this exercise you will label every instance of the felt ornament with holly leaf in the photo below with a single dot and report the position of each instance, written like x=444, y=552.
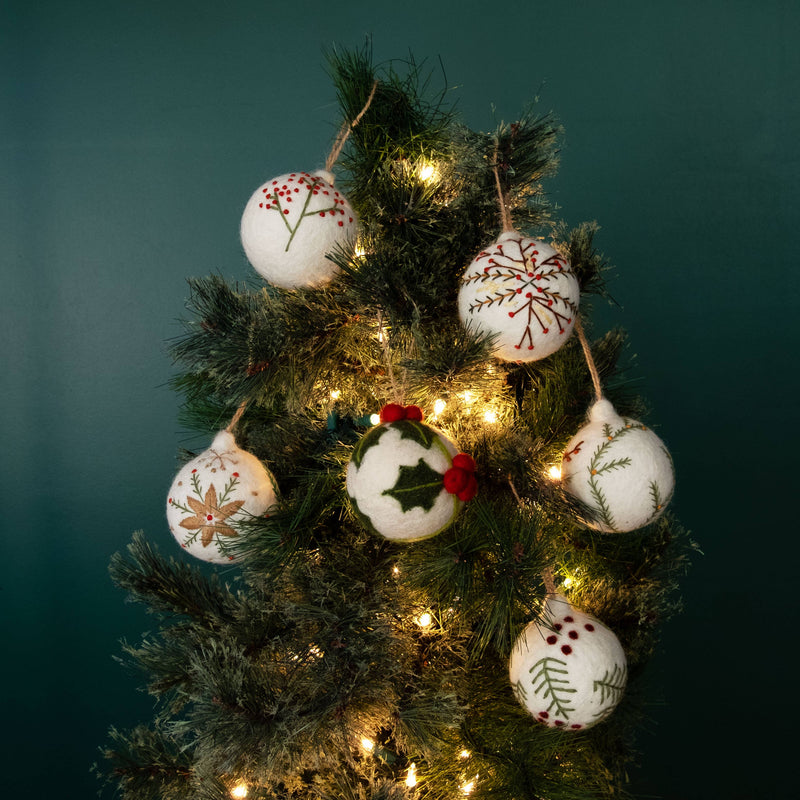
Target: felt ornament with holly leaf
x=406, y=480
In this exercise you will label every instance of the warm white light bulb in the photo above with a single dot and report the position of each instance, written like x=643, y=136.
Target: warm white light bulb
x=239, y=791
x=567, y=583
x=374, y=419
x=395, y=570
x=438, y=407
x=367, y=744
x=466, y=788
x=468, y=397
x=490, y=416
x=424, y=620
x=427, y=171
x=555, y=472
x=411, y=778
x=465, y=754
x=335, y=394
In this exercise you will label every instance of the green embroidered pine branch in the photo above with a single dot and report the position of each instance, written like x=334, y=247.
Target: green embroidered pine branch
x=552, y=685
x=612, y=684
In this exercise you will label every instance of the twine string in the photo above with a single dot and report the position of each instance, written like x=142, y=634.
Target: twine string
x=598, y=390
x=384, y=340
x=505, y=214
x=237, y=416
x=345, y=131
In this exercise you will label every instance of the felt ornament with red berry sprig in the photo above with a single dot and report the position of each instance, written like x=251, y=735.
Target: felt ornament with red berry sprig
x=520, y=291
x=406, y=480
x=618, y=468
x=294, y=222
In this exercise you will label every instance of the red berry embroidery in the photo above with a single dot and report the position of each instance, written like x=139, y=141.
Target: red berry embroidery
x=566, y=649
x=552, y=639
x=589, y=626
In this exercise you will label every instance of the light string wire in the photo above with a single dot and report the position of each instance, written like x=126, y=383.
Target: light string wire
x=547, y=572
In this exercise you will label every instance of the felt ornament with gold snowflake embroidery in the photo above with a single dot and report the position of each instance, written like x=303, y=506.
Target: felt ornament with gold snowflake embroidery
x=213, y=494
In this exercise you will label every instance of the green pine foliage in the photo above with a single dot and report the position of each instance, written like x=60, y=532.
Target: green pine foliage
x=274, y=672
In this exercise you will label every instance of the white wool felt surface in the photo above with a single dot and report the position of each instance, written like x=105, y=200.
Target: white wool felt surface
x=570, y=671
x=620, y=469
x=213, y=494
x=291, y=223
x=379, y=471
x=524, y=293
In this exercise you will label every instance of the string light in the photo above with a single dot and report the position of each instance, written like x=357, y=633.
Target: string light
x=490, y=416
x=427, y=172
x=567, y=582
x=464, y=754
x=239, y=791
x=395, y=570
x=336, y=394
x=555, y=472
x=424, y=620
x=439, y=406
x=466, y=788
x=374, y=419
x=411, y=778
x=468, y=397
x=367, y=744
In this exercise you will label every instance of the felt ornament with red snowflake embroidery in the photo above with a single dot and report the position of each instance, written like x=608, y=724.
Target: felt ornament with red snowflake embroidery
x=619, y=469
x=406, y=480
x=292, y=223
x=568, y=670
x=524, y=293
x=213, y=494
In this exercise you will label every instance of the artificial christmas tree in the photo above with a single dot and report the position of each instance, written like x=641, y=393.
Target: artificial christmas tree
x=343, y=663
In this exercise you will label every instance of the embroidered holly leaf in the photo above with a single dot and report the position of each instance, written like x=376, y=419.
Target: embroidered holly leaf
x=417, y=432
x=367, y=442
x=416, y=486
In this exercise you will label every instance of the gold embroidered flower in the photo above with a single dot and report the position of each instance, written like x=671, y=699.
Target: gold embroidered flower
x=209, y=517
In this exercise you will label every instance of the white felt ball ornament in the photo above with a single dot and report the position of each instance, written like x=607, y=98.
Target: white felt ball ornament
x=406, y=480
x=618, y=468
x=569, y=670
x=292, y=223
x=213, y=494
x=522, y=291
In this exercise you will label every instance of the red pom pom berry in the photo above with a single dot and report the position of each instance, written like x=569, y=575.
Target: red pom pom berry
x=464, y=461
x=470, y=490
x=392, y=412
x=414, y=413
x=455, y=480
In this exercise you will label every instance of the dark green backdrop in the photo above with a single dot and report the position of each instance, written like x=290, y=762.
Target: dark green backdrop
x=131, y=135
